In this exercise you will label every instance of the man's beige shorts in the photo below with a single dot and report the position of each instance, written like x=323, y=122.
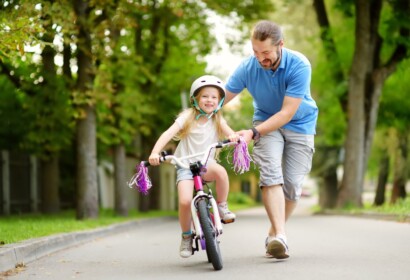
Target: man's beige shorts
x=284, y=158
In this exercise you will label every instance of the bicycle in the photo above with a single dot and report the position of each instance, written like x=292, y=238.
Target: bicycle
x=206, y=221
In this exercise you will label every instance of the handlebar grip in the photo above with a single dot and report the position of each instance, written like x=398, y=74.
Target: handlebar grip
x=146, y=163
x=226, y=141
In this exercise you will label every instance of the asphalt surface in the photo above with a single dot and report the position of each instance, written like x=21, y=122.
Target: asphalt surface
x=350, y=248
x=21, y=253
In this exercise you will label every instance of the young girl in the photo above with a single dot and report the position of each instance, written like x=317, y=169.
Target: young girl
x=196, y=128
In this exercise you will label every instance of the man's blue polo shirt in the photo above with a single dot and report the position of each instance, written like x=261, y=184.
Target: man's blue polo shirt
x=268, y=89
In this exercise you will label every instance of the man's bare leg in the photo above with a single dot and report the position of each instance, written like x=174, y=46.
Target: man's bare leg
x=289, y=207
x=278, y=211
x=274, y=201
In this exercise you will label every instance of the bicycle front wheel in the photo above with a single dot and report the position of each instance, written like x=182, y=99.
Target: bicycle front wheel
x=211, y=241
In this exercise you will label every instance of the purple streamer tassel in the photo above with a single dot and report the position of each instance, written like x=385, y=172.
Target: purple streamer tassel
x=241, y=157
x=141, y=179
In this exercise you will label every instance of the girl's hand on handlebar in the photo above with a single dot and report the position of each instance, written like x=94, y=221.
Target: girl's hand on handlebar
x=154, y=159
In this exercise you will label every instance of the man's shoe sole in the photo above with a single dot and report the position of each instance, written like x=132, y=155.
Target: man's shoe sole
x=228, y=221
x=277, y=250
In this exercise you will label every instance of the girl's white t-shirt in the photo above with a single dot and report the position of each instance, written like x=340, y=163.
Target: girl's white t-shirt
x=198, y=139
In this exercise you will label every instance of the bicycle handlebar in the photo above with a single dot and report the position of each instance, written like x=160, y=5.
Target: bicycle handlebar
x=178, y=161
x=241, y=162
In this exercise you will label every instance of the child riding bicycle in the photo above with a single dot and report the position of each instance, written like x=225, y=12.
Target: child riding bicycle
x=196, y=128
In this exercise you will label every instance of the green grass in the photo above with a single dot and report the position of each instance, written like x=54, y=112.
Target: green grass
x=401, y=209
x=16, y=228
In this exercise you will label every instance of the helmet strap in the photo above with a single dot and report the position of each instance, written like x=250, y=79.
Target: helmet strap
x=202, y=113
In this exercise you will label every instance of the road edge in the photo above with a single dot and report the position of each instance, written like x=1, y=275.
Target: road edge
x=21, y=253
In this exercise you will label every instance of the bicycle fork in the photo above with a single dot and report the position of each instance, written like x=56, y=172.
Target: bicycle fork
x=195, y=219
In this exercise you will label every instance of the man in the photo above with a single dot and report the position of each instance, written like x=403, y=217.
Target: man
x=284, y=125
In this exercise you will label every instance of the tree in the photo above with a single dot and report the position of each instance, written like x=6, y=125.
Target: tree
x=124, y=65
x=369, y=70
x=18, y=26
x=44, y=112
x=395, y=116
x=384, y=167
x=380, y=32
x=172, y=38
x=86, y=171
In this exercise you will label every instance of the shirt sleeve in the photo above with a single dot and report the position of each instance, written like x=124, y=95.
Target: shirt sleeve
x=299, y=82
x=181, y=119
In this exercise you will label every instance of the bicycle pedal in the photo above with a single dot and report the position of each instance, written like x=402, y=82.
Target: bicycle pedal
x=227, y=221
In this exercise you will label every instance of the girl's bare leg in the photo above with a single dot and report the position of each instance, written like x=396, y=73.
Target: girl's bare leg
x=185, y=190
x=217, y=173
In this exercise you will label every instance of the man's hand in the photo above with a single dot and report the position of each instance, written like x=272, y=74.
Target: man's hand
x=246, y=134
x=234, y=137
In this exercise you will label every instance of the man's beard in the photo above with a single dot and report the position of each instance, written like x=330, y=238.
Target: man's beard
x=271, y=65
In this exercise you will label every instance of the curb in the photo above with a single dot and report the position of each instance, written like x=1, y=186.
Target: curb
x=21, y=253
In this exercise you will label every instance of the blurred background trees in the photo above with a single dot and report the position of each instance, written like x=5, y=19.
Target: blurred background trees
x=92, y=79
x=86, y=81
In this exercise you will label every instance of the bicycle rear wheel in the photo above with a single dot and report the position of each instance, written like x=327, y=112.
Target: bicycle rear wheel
x=212, y=244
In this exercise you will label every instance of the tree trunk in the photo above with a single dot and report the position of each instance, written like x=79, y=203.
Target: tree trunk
x=371, y=112
x=382, y=179
x=121, y=205
x=50, y=181
x=87, y=187
x=50, y=169
x=328, y=190
x=353, y=171
x=86, y=141
x=326, y=161
x=400, y=168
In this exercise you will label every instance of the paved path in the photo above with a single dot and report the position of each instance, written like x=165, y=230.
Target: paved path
x=322, y=247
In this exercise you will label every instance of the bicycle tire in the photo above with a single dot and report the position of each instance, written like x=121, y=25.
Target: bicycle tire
x=211, y=241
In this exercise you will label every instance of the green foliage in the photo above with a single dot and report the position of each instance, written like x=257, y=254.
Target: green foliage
x=393, y=119
x=44, y=114
x=395, y=18
x=401, y=207
x=146, y=54
x=38, y=117
x=394, y=109
x=51, y=123
x=399, y=211
x=382, y=139
x=239, y=113
x=18, y=26
x=248, y=10
x=12, y=115
x=240, y=198
x=170, y=40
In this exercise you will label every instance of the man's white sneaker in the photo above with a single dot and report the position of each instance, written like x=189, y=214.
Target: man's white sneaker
x=277, y=248
x=226, y=215
x=185, y=249
x=267, y=240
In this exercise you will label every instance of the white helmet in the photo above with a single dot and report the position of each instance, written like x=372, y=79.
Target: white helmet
x=203, y=81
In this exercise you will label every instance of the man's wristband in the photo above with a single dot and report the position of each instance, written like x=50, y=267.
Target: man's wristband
x=256, y=135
